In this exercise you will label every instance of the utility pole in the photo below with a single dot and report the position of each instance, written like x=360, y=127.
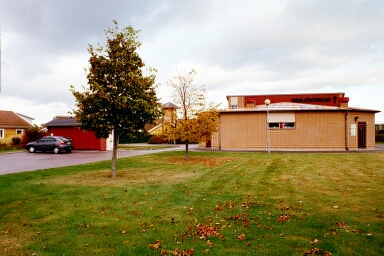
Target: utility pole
x=267, y=102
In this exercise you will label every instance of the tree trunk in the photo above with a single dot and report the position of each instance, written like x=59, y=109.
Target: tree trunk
x=187, y=150
x=114, y=151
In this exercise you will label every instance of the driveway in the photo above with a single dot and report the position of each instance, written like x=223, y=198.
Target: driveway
x=25, y=161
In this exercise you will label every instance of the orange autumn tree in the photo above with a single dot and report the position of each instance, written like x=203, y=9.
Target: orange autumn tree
x=197, y=118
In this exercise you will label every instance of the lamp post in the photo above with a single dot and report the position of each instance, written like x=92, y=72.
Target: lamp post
x=267, y=102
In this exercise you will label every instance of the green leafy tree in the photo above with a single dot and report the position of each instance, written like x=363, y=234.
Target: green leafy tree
x=198, y=118
x=119, y=99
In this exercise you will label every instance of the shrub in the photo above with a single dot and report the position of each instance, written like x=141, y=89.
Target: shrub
x=16, y=141
x=135, y=139
x=156, y=139
x=4, y=146
x=380, y=138
x=33, y=133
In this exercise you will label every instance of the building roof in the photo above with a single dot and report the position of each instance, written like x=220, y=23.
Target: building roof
x=288, y=106
x=9, y=119
x=170, y=105
x=63, y=121
x=288, y=94
x=154, y=128
x=26, y=118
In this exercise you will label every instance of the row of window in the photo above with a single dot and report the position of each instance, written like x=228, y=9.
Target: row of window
x=282, y=125
x=18, y=131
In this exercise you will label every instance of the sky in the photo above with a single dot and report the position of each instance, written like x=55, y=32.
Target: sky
x=236, y=48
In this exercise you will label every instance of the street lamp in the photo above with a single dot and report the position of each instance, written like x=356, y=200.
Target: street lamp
x=267, y=102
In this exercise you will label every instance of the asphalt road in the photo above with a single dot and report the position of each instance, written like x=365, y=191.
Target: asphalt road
x=25, y=161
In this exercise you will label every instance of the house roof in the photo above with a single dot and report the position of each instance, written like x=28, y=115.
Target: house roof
x=288, y=106
x=26, y=118
x=63, y=121
x=9, y=119
x=154, y=128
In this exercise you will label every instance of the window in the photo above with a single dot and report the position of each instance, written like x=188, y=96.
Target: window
x=282, y=125
x=19, y=131
x=353, y=129
x=1, y=133
x=289, y=125
x=234, y=102
x=274, y=125
x=281, y=121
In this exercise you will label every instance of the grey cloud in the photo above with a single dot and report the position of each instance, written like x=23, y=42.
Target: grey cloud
x=242, y=44
x=334, y=30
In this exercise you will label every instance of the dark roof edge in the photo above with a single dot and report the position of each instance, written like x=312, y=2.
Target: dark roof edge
x=284, y=94
x=245, y=110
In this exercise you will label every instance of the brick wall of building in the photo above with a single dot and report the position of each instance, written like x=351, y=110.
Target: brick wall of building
x=314, y=130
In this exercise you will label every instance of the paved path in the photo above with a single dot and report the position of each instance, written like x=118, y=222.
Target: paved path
x=25, y=161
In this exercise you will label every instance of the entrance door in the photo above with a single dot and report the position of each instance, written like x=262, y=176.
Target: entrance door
x=362, y=134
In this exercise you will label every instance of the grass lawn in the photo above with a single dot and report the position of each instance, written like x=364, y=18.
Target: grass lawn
x=216, y=204
x=3, y=151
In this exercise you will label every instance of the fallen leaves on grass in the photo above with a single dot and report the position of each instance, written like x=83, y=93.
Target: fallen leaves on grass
x=229, y=204
x=156, y=246
x=317, y=251
x=242, y=237
x=314, y=241
x=218, y=208
x=178, y=252
x=240, y=216
x=283, y=219
x=247, y=204
x=204, y=231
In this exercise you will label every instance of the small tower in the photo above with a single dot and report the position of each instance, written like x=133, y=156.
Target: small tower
x=169, y=117
x=169, y=113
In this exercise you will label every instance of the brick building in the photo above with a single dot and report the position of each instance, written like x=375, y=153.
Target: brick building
x=310, y=122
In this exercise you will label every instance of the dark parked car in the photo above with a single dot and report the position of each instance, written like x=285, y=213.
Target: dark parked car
x=50, y=143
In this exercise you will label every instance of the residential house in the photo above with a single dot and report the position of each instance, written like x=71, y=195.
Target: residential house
x=12, y=125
